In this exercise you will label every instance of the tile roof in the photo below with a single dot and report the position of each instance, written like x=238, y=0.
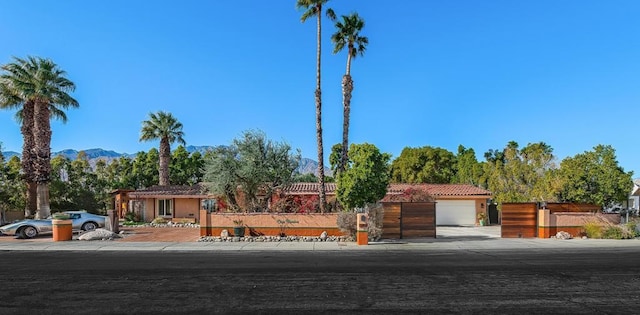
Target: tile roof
x=441, y=189
x=432, y=189
x=173, y=190
x=309, y=188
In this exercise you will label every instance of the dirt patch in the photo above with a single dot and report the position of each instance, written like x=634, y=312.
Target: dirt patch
x=159, y=234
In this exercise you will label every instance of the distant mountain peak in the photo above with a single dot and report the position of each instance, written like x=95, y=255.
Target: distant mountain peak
x=306, y=165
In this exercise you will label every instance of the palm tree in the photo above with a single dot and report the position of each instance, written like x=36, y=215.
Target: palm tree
x=314, y=8
x=348, y=35
x=168, y=129
x=39, y=90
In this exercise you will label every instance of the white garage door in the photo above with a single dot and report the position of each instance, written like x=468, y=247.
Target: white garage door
x=456, y=212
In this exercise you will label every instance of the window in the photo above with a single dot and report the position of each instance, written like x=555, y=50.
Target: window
x=210, y=205
x=165, y=207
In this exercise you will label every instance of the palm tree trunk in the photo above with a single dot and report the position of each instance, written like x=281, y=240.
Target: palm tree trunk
x=347, y=89
x=322, y=193
x=44, y=211
x=165, y=157
x=42, y=166
x=32, y=199
x=28, y=157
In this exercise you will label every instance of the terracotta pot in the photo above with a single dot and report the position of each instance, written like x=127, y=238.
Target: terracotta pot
x=62, y=230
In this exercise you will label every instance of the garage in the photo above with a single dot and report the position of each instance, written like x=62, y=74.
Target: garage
x=455, y=212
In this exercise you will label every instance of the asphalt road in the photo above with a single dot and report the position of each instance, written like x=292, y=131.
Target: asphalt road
x=567, y=281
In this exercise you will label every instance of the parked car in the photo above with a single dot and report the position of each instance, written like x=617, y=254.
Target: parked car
x=29, y=228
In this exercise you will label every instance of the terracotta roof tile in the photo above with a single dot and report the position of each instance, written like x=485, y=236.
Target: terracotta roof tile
x=432, y=189
x=175, y=190
x=309, y=188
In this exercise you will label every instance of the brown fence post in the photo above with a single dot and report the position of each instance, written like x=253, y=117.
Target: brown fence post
x=205, y=223
x=114, y=221
x=544, y=226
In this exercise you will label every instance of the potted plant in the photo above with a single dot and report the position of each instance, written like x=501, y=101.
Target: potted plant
x=482, y=218
x=61, y=226
x=238, y=228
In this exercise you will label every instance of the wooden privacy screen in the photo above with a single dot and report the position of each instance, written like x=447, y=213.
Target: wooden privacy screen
x=572, y=207
x=519, y=220
x=409, y=220
x=391, y=220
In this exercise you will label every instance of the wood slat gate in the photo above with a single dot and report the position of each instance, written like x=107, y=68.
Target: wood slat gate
x=409, y=220
x=519, y=220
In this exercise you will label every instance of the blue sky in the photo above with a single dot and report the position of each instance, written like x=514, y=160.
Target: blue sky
x=437, y=73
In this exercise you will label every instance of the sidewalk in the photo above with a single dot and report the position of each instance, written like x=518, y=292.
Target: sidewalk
x=449, y=244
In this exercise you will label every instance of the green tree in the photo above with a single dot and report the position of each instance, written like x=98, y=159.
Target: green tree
x=103, y=185
x=424, y=165
x=39, y=90
x=144, y=168
x=348, y=35
x=221, y=166
x=313, y=8
x=467, y=168
x=258, y=165
x=365, y=178
x=168, y=129
x=594, y=177
x=118, y=173
x=74, y=185
x=520, y=175
x=304, y=178
x=186, y=169
x=11, y=186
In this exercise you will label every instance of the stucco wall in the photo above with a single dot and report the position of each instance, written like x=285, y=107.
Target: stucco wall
x=186, y=208
x=550, y=224
x=270, y=223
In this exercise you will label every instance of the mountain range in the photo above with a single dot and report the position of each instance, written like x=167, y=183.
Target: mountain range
x=306, y=165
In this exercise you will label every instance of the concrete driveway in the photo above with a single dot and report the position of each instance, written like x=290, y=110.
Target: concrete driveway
x=468, y=232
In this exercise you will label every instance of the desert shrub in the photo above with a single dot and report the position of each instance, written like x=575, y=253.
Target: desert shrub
x=593, y=229
x=284, y=204
x=633, y=227
x=347, y=223
x=159, y=220
x=376, y=215
x=613, y=232
x=132, y=217
x=60, y=216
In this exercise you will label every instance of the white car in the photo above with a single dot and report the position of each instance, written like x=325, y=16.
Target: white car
x=29, y=228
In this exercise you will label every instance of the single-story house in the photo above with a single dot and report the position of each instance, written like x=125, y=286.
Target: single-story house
x=171, y=202
x=456, y=204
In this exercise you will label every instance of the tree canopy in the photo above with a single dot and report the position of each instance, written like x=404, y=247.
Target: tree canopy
x=252, y=166
x=166, y=128
x=365, y=178
x=594, y=177
x=424, y=165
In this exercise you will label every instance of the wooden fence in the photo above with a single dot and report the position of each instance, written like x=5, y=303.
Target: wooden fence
x=524, y=220
x=409, y=219
x=572, y=207
x=519, y=220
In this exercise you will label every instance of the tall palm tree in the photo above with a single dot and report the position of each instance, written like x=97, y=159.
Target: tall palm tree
x=39, y=90
x=348, y=35
x=314, y=8
x=168, y=129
